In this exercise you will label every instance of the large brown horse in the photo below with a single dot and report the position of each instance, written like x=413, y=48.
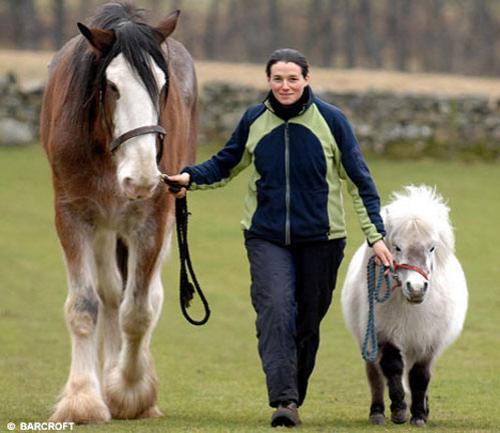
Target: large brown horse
x=119, y=109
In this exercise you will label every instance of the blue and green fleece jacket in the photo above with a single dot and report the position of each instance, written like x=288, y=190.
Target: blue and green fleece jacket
x=298, y=167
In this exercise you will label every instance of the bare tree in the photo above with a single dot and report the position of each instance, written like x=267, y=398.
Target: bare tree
x=405, y=30
x=371, y=44
x=483, y=27
x=15, y=21
x=314, y=18
x=328, y=32
x=349, y=34
x=25, y=23
x=275, y=23
x=59, y=23
x=210, y=40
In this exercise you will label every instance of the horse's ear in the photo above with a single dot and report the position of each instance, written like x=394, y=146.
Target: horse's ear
x=100, y=40
x=167, y=26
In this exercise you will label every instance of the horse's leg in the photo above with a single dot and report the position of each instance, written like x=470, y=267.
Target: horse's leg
x=131, y=386
x=376, y=381
x=392, y=367
x=81, y=400
x=420, y=376
x=110, y=290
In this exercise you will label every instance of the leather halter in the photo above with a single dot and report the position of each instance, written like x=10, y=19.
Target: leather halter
x=143, y=130
x=410, y=268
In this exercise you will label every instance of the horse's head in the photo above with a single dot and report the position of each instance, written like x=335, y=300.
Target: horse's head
x=420, y=238
x=133, y=87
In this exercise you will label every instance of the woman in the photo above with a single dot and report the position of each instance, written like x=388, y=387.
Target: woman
x=300, y=149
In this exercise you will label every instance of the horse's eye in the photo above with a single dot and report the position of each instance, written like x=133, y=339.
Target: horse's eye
x=397, y=248
x=432, y=249
x=113, y=87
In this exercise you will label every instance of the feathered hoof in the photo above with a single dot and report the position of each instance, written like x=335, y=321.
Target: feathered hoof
x=377, y=418
x=418, y=422
x=83, y=406
x=131, y=400
x=399, y=416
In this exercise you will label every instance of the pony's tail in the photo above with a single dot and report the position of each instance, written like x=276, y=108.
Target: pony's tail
x=122, y=259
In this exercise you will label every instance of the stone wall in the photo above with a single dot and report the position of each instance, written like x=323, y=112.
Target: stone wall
x=19, y=111
x=386, y=124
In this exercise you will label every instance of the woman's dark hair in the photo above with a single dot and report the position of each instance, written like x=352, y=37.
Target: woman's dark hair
x=288, y=55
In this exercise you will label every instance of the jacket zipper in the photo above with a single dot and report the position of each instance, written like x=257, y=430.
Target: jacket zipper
x=287, y=190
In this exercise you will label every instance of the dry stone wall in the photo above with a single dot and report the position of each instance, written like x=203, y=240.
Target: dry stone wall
x=19, y=111
x=387, y=124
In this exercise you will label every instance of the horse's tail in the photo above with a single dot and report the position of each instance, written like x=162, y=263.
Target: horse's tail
x=122, y=259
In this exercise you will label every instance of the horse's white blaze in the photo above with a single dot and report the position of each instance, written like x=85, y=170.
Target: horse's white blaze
x=138, y=174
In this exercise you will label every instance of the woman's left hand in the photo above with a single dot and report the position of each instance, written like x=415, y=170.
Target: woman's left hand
x=382, y=253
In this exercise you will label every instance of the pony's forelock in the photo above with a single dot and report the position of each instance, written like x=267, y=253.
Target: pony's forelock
x=422, y=210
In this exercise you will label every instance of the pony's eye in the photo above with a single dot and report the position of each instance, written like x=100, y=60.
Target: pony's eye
x=397, y=248
x=432, y=249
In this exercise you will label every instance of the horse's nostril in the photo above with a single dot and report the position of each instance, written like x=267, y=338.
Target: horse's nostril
x=409, y=287
x=137, y=190
x=426, y=285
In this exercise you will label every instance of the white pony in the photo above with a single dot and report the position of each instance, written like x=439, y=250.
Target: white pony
x=423, y=315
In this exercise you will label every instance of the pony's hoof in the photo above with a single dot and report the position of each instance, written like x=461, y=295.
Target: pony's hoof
x=399, y=416
x=377, y=418
x=418, y=422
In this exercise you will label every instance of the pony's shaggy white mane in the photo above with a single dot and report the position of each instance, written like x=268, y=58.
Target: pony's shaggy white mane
x=420, y=209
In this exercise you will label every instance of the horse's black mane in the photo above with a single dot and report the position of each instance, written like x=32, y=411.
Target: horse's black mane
x=134, y=39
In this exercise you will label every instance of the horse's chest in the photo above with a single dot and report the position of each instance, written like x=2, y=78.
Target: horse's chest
x=115, y=215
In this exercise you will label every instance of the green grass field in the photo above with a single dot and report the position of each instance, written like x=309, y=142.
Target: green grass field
x=211, y=379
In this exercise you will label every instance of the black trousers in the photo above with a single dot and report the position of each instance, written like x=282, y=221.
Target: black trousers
x=291, y=292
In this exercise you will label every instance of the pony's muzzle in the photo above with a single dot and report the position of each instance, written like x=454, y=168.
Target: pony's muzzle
x=416, y=293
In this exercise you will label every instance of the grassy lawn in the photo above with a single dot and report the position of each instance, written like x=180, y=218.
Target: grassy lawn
x=211, y=379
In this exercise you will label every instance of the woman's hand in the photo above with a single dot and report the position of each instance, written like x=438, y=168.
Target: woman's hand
x=181, y=179
x=382, y=253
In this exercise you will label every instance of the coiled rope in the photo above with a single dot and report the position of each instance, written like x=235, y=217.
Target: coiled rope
x=369, y=349
x=187, y=288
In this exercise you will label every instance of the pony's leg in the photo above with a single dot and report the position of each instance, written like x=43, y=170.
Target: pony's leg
x=376, y=381
x=419, y=378
x=110, y=290
x=81, y=400
x=392, y=366
x=131, y=386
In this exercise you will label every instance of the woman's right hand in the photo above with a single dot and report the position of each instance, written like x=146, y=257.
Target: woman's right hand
x=181, y=179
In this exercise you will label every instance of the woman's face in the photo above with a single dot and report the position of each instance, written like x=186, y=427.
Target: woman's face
x=287, y=82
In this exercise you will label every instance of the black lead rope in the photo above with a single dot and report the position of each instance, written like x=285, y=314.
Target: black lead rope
x=186, y=287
